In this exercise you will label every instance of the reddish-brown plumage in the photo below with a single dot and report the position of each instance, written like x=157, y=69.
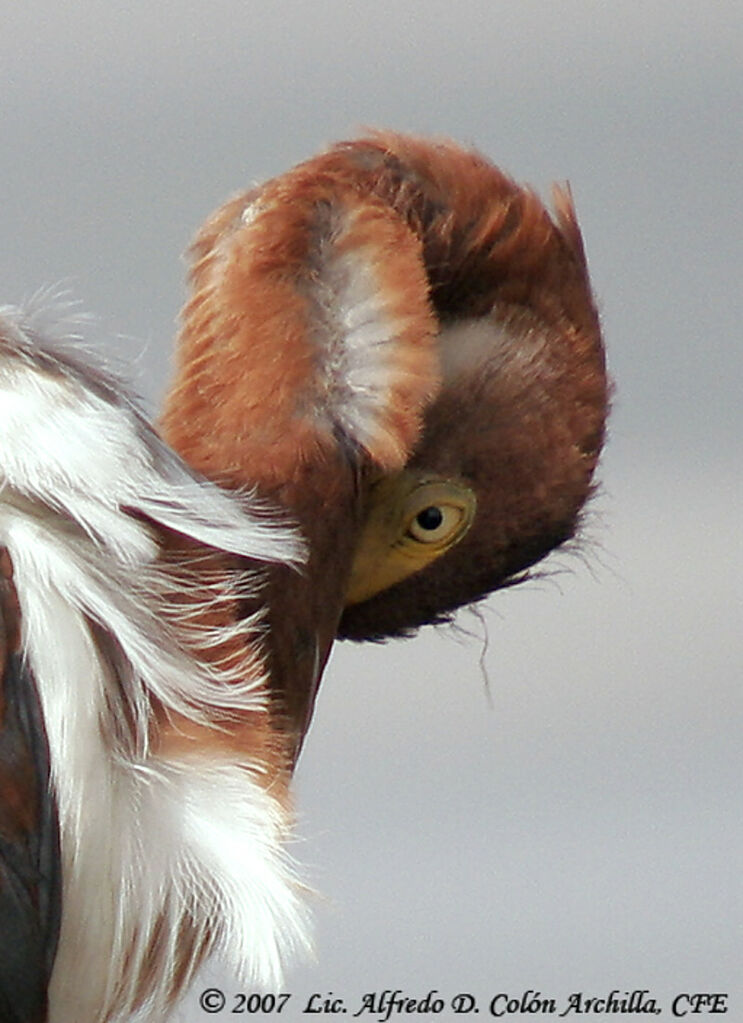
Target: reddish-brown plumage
x=10, y=627
x=175, y=735
x=524, y=426
x=254, y=402
x=252, y=398
x=453, y=245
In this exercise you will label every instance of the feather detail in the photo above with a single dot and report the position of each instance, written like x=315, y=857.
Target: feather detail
x=520, y=416
x=169, y=855
x=315, y=295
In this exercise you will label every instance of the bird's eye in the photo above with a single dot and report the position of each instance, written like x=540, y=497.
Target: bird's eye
x=437, y=514
x=429, y=519
x=435, y=523
x=412, y=519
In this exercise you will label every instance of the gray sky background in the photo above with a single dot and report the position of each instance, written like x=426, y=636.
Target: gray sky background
x=575, y=822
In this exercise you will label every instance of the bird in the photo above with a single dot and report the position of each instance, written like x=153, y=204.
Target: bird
x=389, y=401
x=144, y=823
x=433, y=352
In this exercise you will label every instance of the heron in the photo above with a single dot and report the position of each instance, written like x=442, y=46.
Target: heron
x=389, y=401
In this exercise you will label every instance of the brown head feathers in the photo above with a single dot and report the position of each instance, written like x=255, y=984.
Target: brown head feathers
x=394, y=309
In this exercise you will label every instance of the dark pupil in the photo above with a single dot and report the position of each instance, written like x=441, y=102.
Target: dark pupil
x=430, y=518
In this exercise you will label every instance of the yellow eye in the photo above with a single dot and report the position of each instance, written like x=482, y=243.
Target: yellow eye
x=412, y=519
x=436, y=523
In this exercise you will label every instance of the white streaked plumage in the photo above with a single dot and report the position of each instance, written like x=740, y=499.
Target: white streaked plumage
x=84, y=486
x=361, y=336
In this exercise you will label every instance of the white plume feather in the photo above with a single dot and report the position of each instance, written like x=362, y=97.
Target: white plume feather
x=152, y=847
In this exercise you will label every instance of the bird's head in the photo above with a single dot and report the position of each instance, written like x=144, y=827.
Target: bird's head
x=398, y=344
x=504, y=462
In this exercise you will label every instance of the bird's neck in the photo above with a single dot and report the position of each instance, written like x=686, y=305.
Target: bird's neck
x=227, y=420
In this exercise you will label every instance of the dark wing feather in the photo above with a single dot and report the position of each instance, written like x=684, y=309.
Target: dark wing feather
x=30, y=871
